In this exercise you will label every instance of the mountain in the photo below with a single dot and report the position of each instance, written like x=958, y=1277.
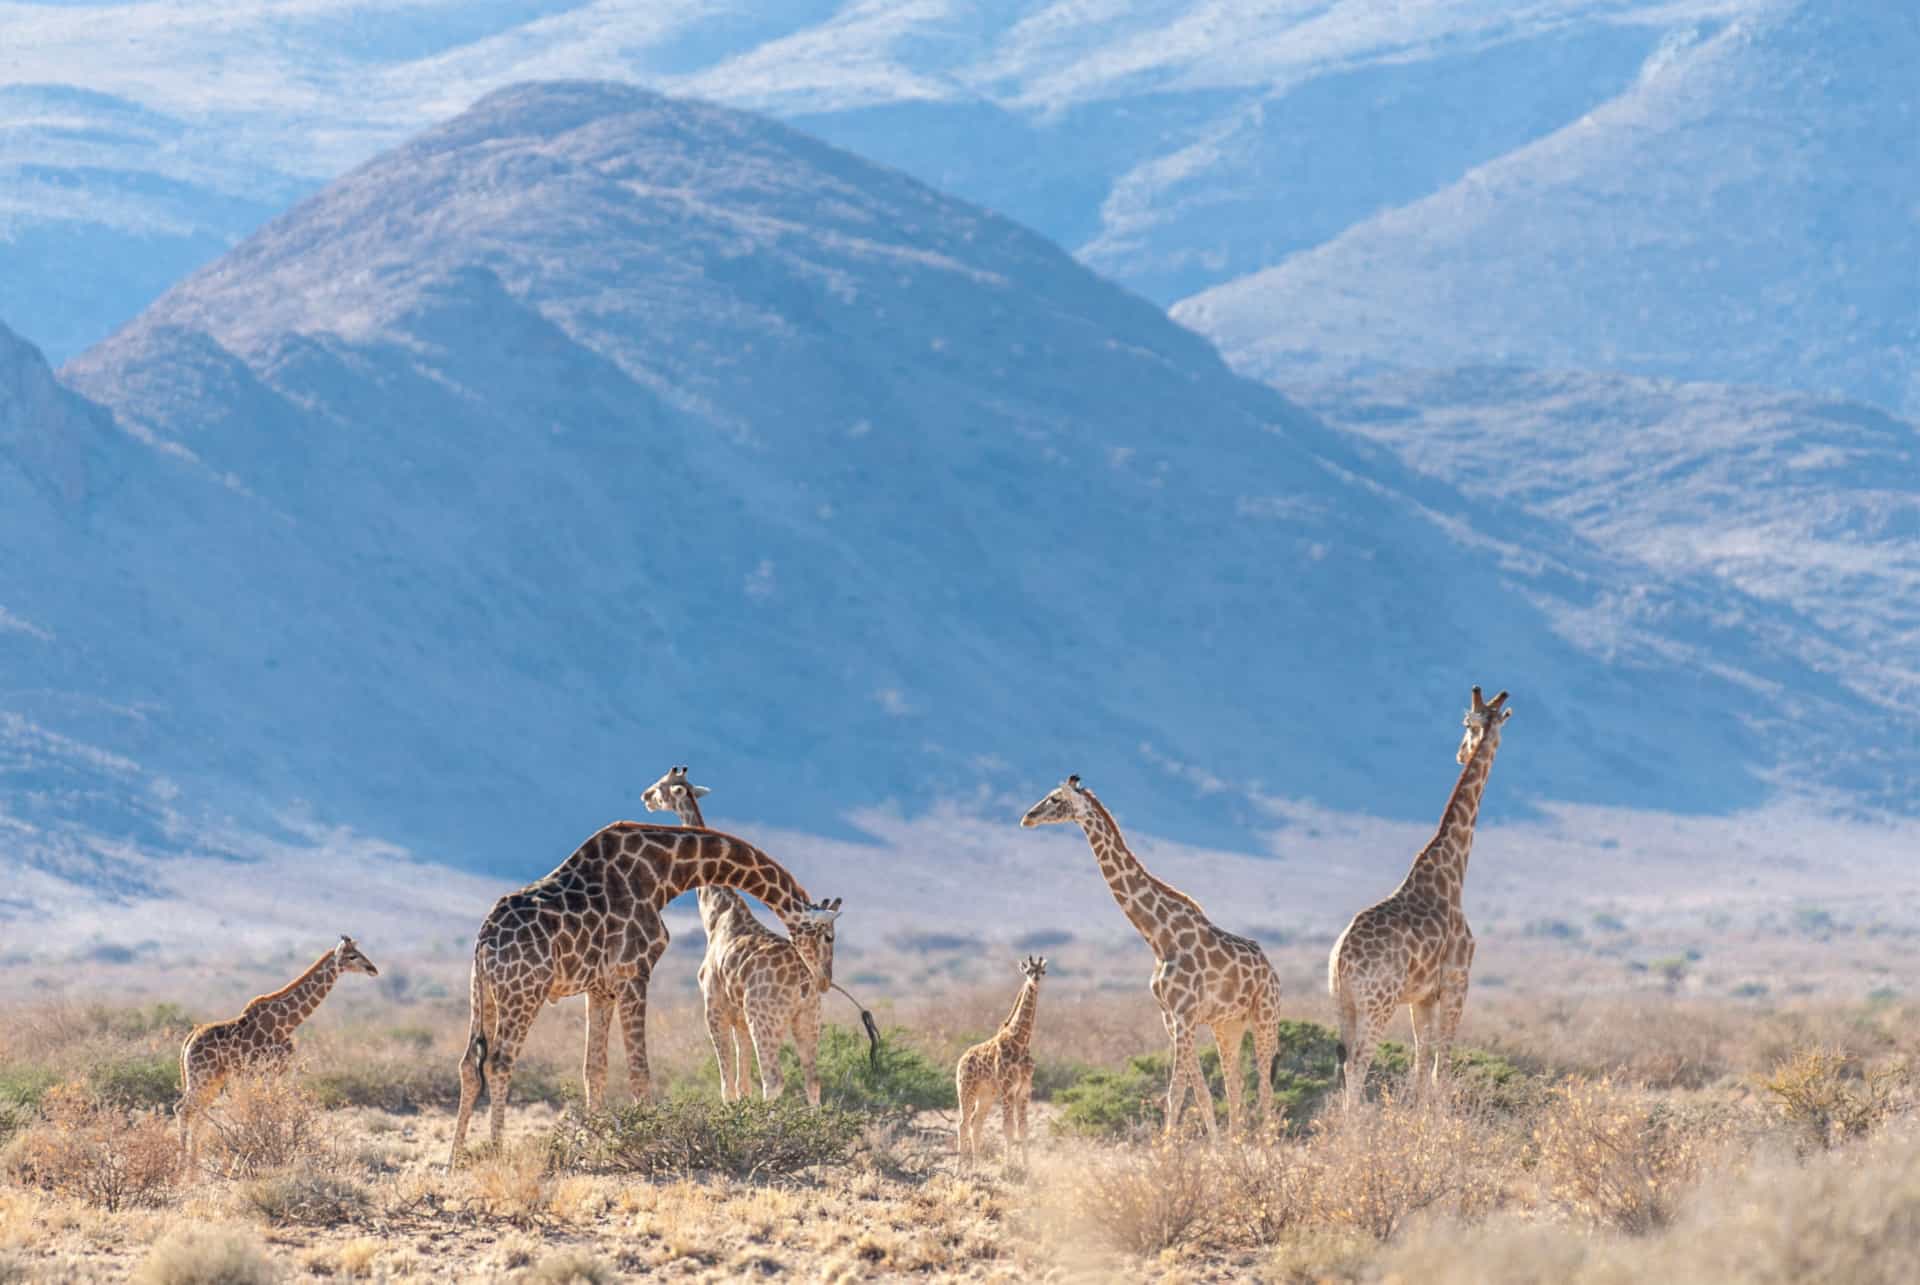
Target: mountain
x=1745, y=213
x=1173, y=146
x=593, y=430
x=1793, y=500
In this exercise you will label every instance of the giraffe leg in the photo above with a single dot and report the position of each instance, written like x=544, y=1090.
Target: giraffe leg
x=1008, y=1137
x=633, y=1033
x=600, y=1006
x=1446, y=1024
x=1266, y=1046
x=1186, y=1075
x=806, y=1043
x=1026, y=1095
x=1424, y=1068
x=764, y=1027
x=720, y=1031
x=1227, y=1035
x=742, y=1038
x=514, y=1025
x=1359, y=1040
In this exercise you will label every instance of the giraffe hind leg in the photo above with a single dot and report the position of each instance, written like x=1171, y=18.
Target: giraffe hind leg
x=1227, y=1037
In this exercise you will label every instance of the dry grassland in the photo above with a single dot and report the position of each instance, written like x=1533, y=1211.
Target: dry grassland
x=1661, y=1128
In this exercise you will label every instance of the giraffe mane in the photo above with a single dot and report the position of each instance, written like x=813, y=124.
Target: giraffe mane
x=311, y=969
x=1159, y=884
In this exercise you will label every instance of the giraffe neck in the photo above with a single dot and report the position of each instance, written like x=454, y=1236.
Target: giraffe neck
x=716, y=904
x=293, y=1003
x=1019, y=1024
x=1157, y=910
x=1441, y=867
x=708, y=858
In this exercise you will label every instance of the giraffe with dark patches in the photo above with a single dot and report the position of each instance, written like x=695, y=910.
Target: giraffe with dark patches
x=1205, y=976
x=593, y=927
x=757, y=985
x=1415, y=948
x=1001, y=1069
x=260, y=1039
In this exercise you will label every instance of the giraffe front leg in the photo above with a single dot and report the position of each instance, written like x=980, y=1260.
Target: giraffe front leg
x=633, y=1033
x=1186, y=1075
x=1424, y=1068
x=1227, y=1038
x=600, y=1007
x=806, y=1043
x=720, y=1031
x=764, y=1028
x=1446, y=1024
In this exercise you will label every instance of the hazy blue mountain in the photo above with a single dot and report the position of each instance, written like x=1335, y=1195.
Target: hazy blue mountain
x=1793, y=500
x=1172, y=146
x=594, y=430
x=1748, y=212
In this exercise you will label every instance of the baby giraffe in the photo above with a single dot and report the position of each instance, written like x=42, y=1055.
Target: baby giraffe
x=1001, y=1068
x=260, y=1039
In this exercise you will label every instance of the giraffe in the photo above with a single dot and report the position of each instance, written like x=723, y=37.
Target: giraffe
x=757, y=985
x=260, y=1039
x=1002, y=1068
x=593, y=926
x=1415, y=948
x=1205, y=975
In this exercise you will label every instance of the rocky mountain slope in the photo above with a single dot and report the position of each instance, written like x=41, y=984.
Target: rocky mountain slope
x=1745, y=213
x=593, y=430
x=1793, y=500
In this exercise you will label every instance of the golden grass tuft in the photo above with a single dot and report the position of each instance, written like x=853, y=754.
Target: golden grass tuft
x=107, y=1156
x=195, y=1255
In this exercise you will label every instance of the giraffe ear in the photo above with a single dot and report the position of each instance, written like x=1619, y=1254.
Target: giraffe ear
x=700, y=790
x=1506, y=713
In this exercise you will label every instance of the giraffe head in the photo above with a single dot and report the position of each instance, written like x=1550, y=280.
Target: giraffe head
x=1033, y=968
x=1483, y=717
x=813, y=939
x=350, y=960
x=1067, y=803
x=672, y=792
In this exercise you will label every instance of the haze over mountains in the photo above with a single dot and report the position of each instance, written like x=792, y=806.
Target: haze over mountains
x=593, y=430
x=1434, y=184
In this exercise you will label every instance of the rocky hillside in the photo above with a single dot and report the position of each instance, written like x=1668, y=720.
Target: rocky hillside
x=595, y=430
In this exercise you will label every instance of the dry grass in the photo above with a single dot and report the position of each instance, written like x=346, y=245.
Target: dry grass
x=103, y=1155
x=1652, y=1140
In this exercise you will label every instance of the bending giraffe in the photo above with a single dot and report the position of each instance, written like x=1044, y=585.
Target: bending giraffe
x=593, y=927
x=1206, y=975
x=260, y=1039
x=1001, y=1068
x=1415, y=948
x=757, y=985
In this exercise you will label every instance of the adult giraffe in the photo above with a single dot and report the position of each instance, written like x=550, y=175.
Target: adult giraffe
x=1415, y=948
x=593, y=927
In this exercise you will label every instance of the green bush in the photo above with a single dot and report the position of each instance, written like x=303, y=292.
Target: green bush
x=743, y=1139
x=1105, y=1103
x=21, y=1088
x=168, y=1020
x=136, y=1082
x=903, y=1076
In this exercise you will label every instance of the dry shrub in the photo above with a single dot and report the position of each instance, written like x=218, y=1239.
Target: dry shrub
x=12, y=1270
x=1618, y=1156
x=261, y=1123
x=570, y=1267
x=1829, y=1098
x=511, y=1183
x=194, y=1255
x=307, y=1195
x=1374, y=1168
x=1264, y=1193
x=1146, y=1198
x=104, y=1155
x=749, y=1138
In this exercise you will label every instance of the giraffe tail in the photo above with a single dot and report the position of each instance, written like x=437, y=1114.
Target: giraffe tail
x=481, y=1023
x=866, y=1020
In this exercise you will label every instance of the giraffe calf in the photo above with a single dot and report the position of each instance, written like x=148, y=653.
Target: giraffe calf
x=259, y=1040
x=1001, y=1069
